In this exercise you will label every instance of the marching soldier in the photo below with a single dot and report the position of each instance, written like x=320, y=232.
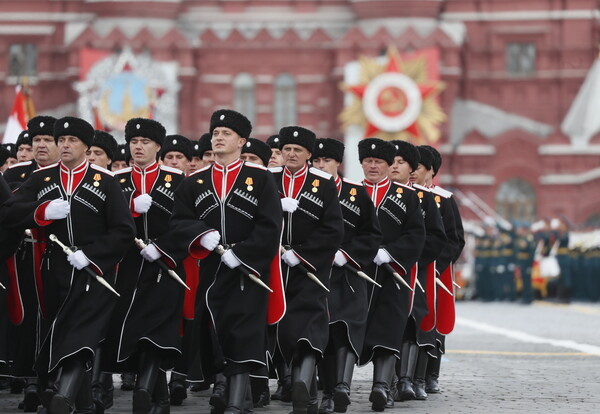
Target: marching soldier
x=144, y=334
x=25, y=271
x=45, y=151
x=8, y=156
x=256, y=152
x=82, y=205
x=103, y=149
x=176, y=152
x=121, y=158
x=313, y=231
x=234, y=203
x=23, y=144
x=423, y=312
x=347, y=300
x=401, y=222
x=276, y=159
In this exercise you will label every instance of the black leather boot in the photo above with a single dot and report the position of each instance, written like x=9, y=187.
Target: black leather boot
x=327, y=373
x=102, y=385
x=218, y=399
x=393, y=392
x=408, y=362
x=261, y=396
x=249, y=403
x=178, y=388
x=67, y=389
x=84, y=403
x=160, y=396
x=383, y=369
x=238, y=390
x=127, y=381
x=345, y=361
x=145, y=382
x=313, y=403
x=31, y=399
x=280, y=368
x=419, y=379
x=433, y=373
x=303, y=370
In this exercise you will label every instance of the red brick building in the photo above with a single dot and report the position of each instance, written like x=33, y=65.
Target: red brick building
x=512, y=70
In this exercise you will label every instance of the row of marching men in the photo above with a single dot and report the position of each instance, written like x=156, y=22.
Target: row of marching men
x=286, y=268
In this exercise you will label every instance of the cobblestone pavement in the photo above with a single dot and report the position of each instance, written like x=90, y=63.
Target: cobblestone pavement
x=502, y=358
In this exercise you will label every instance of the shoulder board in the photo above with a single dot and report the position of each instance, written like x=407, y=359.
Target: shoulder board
x=275, y=169
x=124, y=170
x=104, y=170
x=46, y=167
x=20, y=164
x=349, y=181
x=420, y=187
x=200, y=170
x=320, y=173
x=442, y=192
x=171, y=169
x=253, y=165
x=404, y=185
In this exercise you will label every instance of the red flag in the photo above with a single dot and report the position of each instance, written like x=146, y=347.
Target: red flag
x=17, y=120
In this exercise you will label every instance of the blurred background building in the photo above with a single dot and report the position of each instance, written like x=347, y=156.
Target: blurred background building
x=520, y=95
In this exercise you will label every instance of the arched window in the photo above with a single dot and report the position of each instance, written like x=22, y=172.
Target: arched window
x=515, y=200
x=243, y=96
x=285, y=101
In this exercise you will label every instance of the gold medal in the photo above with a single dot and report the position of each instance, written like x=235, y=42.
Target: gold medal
x=22, y=175
x=315, y=189
x=122, y=180
x=96, y=184
x=352, y=198
x=250, y=188
x=168, y=185
x=200, y=181
x=47, y=179
x=249, y=183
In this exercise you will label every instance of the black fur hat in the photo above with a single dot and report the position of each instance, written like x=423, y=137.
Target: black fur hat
x=23, y=139
x=77, y=127
x=41, y=125
x=122, y=153
x=408, y=152
x=105, y=141
x=259, y=148
x=204, y=144
x=5, y=153
x=273, y=141
x=376, y=148
x=177, y=143
x=328, y=148
x=426, y=157
x=232, y=120
x=437, y=158
x=297, y=135
x=146, y=128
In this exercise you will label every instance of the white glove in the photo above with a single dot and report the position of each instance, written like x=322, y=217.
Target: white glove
x=210, y=240
x=290, y=258
x=150, y=253
x=230, y=260
x=78, y=260
x=340, y=259
x=289, y=204
x=142, y=203
x=382, y=257
x=57, y=209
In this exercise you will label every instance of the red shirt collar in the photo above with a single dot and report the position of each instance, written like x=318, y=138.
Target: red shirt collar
x=338, y=183
x=224, y=176
x=70, y=179
x=144, y=178
x=293, y=182
x=377, y=190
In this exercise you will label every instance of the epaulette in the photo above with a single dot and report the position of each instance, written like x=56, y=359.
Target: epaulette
x=349, y=181
x=275, y=169
x=104, y=170
x=404, y=185
x=442, y=192
x=124, y=170
x=20, y=164
x=320, y=173
x=420, y=187
x=46, y=167
x=171, y=170
x=200, y=170
x=254, y=165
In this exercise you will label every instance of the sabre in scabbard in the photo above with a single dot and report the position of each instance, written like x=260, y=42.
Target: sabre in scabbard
x=441, y=284
x=305, y=271
x=359, y=273
x=91, y=273
x=163, y=266
x=388, y=267
x=221, y=250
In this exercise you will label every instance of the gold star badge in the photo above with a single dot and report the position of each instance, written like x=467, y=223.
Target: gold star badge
x=200, y=181
x=122, y=180
x=22, y=175
x=47, y=179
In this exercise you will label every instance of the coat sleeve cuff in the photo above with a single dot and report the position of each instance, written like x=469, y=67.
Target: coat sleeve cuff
x=40, y=214
x=196, y=250
x=350, y=260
